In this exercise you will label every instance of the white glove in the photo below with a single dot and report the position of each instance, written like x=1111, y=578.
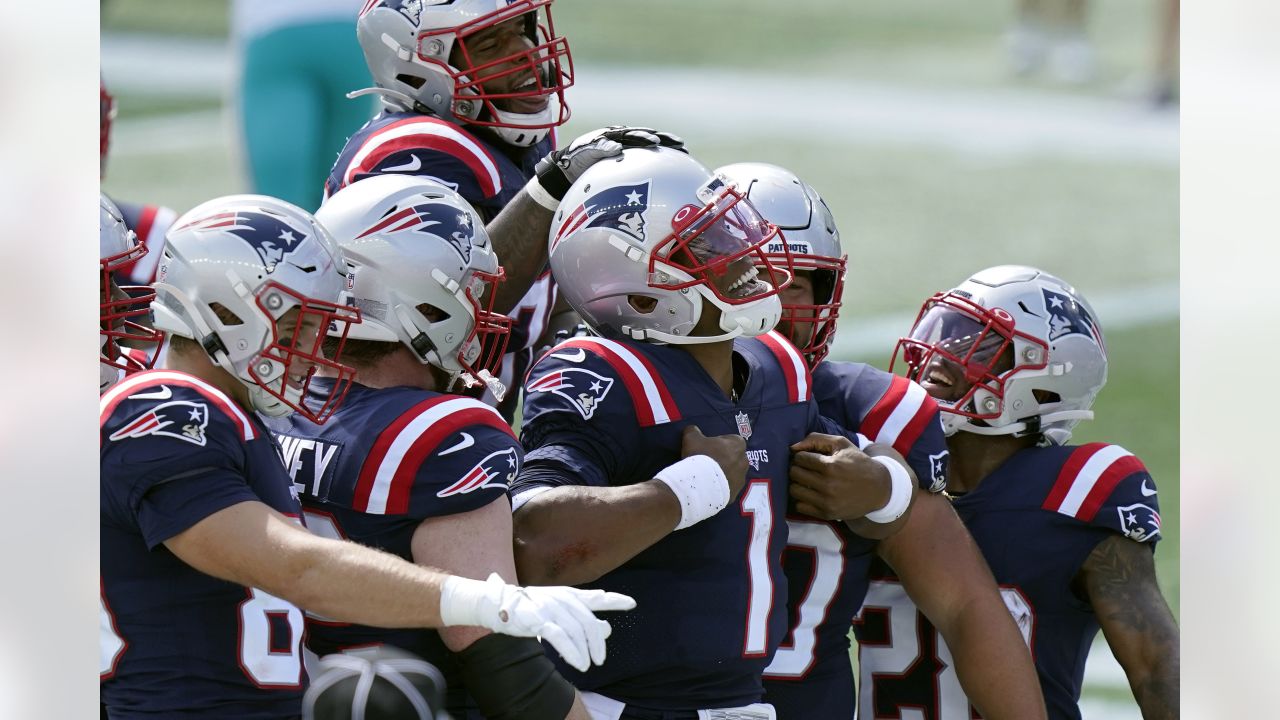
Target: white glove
x=560, y=615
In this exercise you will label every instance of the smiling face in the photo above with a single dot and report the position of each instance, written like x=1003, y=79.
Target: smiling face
x=502, y=60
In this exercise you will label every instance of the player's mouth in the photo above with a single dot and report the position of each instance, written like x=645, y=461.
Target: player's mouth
x=747, y=284
x=942, y=380
x=525, y=104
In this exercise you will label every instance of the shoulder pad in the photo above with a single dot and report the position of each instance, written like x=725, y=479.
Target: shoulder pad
x=794, y=368
x=902, y=412
x=423, y=145
x=387, y=474
x=1107, y=478
x=582, y=373
x=167, y=403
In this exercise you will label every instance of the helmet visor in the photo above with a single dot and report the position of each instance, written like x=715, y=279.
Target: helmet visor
x=722, y=243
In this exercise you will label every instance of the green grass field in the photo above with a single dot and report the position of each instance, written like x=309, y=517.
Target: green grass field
x=914, y=219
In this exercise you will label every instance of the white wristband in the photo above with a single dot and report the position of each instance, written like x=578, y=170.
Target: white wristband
x=699, y=485
x=899, y=495
x=540, y=194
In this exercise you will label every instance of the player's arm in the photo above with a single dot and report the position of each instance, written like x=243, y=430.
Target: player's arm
x=832, y=479
x=519, y=236
x=1119, y=579
x=572, y=534
x=508, y=677
x=253, y=545
x=944, y=573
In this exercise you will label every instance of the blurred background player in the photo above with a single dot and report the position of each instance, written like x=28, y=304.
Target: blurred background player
x=1053, y=33
x=1015, y=357
x=381, y=683
x=204, y=561
x=126, y=344
x=407, y=464
x=148, y=222
x=827, y=564
x=298, y=61
x=658, y=452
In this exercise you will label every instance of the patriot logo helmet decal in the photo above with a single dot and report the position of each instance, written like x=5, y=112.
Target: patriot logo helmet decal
x=584, y=389
x=269, y=234
x=1067, y=317
x=621, y=208
x=179, y=419
x=431, y=218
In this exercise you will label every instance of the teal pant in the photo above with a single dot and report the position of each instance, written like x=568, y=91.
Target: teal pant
x=294, y=110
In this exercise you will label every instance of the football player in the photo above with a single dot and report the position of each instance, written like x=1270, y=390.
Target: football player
x=409, y=464
x=125, y=344
x=1014, y=357
x=827, y=565
x=623, y=488
x=204, y=560
x=471, y=91
x=148, y=222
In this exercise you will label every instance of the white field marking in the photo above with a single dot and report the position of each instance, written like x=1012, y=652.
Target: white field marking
x=999, y=123
x=875, y=337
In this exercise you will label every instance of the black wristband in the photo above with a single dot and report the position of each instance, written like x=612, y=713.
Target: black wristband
x=511, y=679
x=552, y=178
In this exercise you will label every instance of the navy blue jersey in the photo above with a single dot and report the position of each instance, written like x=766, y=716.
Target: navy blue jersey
x=149, y=223
x=387, y=460
x=488, y=173
x=711, y=597
x=827, y=565
x=174, y=641
x=1035, y=519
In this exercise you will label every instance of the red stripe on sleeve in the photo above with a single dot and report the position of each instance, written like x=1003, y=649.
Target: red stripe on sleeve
x=369, y=470
x=402, y=481
x=925, y=414
x=879, y=413
x=1067, y=476
x=1118, y=470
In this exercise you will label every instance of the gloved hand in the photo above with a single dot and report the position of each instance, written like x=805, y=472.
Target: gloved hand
x=560, y=168
x=560, y=615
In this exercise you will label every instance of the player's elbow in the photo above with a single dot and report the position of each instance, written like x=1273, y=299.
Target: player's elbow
x=546, y=557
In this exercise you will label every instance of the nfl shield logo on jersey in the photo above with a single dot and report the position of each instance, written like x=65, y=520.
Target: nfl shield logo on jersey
x=1139, y=522
x=744, y=425
x=938, y=471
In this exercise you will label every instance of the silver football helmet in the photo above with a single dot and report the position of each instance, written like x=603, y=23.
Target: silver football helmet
x=415, y=245
x=232, y=268
x=1012, y=351
x=125, y=344
x=444, y=58
x=813, y=242
x=642, y=242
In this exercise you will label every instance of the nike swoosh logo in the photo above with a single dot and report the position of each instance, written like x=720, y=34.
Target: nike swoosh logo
x=571, y=357
x=414, y=165
x=466, y=442
x=1145, y=491
x=164, y=393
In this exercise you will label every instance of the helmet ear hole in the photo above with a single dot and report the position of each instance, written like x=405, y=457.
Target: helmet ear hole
x=432, y=313
x=642, y=303
x=1044, y=397
x=412, y=81
x=224, y=314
